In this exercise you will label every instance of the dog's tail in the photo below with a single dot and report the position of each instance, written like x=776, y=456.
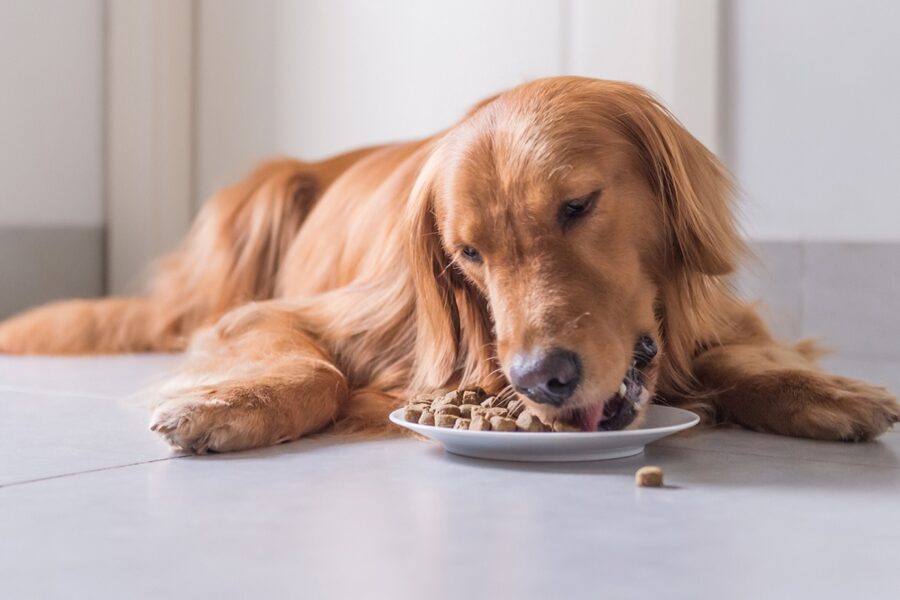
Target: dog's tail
x=231, y=256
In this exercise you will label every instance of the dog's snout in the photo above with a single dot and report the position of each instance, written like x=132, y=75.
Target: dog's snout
x=546, y=376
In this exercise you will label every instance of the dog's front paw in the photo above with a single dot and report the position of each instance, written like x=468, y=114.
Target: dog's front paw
x=192, y=424
x=213, y=420
x=848, y=410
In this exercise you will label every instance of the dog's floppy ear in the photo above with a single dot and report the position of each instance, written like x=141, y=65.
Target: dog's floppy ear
x=696, y=189
x=453, y=326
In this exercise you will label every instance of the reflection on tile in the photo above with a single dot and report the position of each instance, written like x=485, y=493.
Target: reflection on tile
x=51, y=434
x=850, y=298
x=116, y=376
x=396, y=518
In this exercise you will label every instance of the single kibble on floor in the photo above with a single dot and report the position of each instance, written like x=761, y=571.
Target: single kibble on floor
x=466, y=410
x=461, y=424
x=479, y=422
x=445, y=420
x=649, y=477
x=502, y=424
x=427, y=418
x=447, y=409
x=413, y=413
x=529, y=422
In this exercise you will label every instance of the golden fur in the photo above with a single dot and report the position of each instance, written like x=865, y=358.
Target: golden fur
x=320, y=294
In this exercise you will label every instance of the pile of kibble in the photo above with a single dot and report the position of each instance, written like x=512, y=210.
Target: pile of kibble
x=475, y=410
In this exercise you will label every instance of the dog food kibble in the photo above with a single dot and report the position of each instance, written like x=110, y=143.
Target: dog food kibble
x=466, y=410
x=447, y=409
x=529, y=422
x=502, y=424
x=471, y=397
x=480, y=422
x=515, y=408
x=413, y=413
x=445, y=420
x=474, y=410
x=648, y=477
x=563, y=427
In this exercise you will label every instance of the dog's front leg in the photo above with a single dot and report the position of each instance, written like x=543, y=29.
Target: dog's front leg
x=254, y=379
x=770, y=387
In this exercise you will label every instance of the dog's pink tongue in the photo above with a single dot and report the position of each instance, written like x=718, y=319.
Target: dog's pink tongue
x=590, y=417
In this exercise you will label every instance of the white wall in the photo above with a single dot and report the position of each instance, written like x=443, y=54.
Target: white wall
x=51, y=151
x=51, y=112
x=813, y=106
x=315, y=78
x=321, y=76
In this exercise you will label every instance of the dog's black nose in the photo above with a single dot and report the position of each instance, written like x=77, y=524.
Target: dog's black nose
x=546, y=376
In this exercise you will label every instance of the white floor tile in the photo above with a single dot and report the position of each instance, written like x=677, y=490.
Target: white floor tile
x=98, y=376
x=401, y=519
x=50, y=434
x=744, y=515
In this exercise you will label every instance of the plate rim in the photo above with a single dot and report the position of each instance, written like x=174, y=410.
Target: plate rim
x=396, y=417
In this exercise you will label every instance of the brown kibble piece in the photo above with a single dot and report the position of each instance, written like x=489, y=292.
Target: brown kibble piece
x=466, y=410
x=412, y=414
x=471, y=397
x=515, y=408
x=427, y=418
x=479, y=422
x=529, y=422
x=563, y=427
x=649, y=477
x=497, y=412
x=448, y=398
x=502, y=424
x=424, y=399
x=445, y=420
x=447, y=409
x=494, y=402
x=461, y=424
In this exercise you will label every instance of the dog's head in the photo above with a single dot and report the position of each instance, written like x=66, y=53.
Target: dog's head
x=552, y=230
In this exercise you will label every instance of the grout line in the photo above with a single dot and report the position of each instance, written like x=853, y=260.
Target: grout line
x=97, y=470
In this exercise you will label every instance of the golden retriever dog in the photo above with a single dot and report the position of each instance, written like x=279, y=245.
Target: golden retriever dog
x=567, y=241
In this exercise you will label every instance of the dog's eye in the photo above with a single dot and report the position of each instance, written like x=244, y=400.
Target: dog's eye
x=577, y=207
x=471, y=254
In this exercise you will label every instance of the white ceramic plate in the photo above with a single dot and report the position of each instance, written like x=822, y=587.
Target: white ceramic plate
x=557, y=447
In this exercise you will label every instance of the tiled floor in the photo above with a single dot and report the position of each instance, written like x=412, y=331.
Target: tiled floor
x=93, y=506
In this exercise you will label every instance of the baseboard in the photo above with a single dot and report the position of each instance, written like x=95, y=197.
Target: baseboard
x=844, y=293
x=39, y=264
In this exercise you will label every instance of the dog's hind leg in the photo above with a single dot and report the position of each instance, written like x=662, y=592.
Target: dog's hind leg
x=231, y=256
x=256, y=378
